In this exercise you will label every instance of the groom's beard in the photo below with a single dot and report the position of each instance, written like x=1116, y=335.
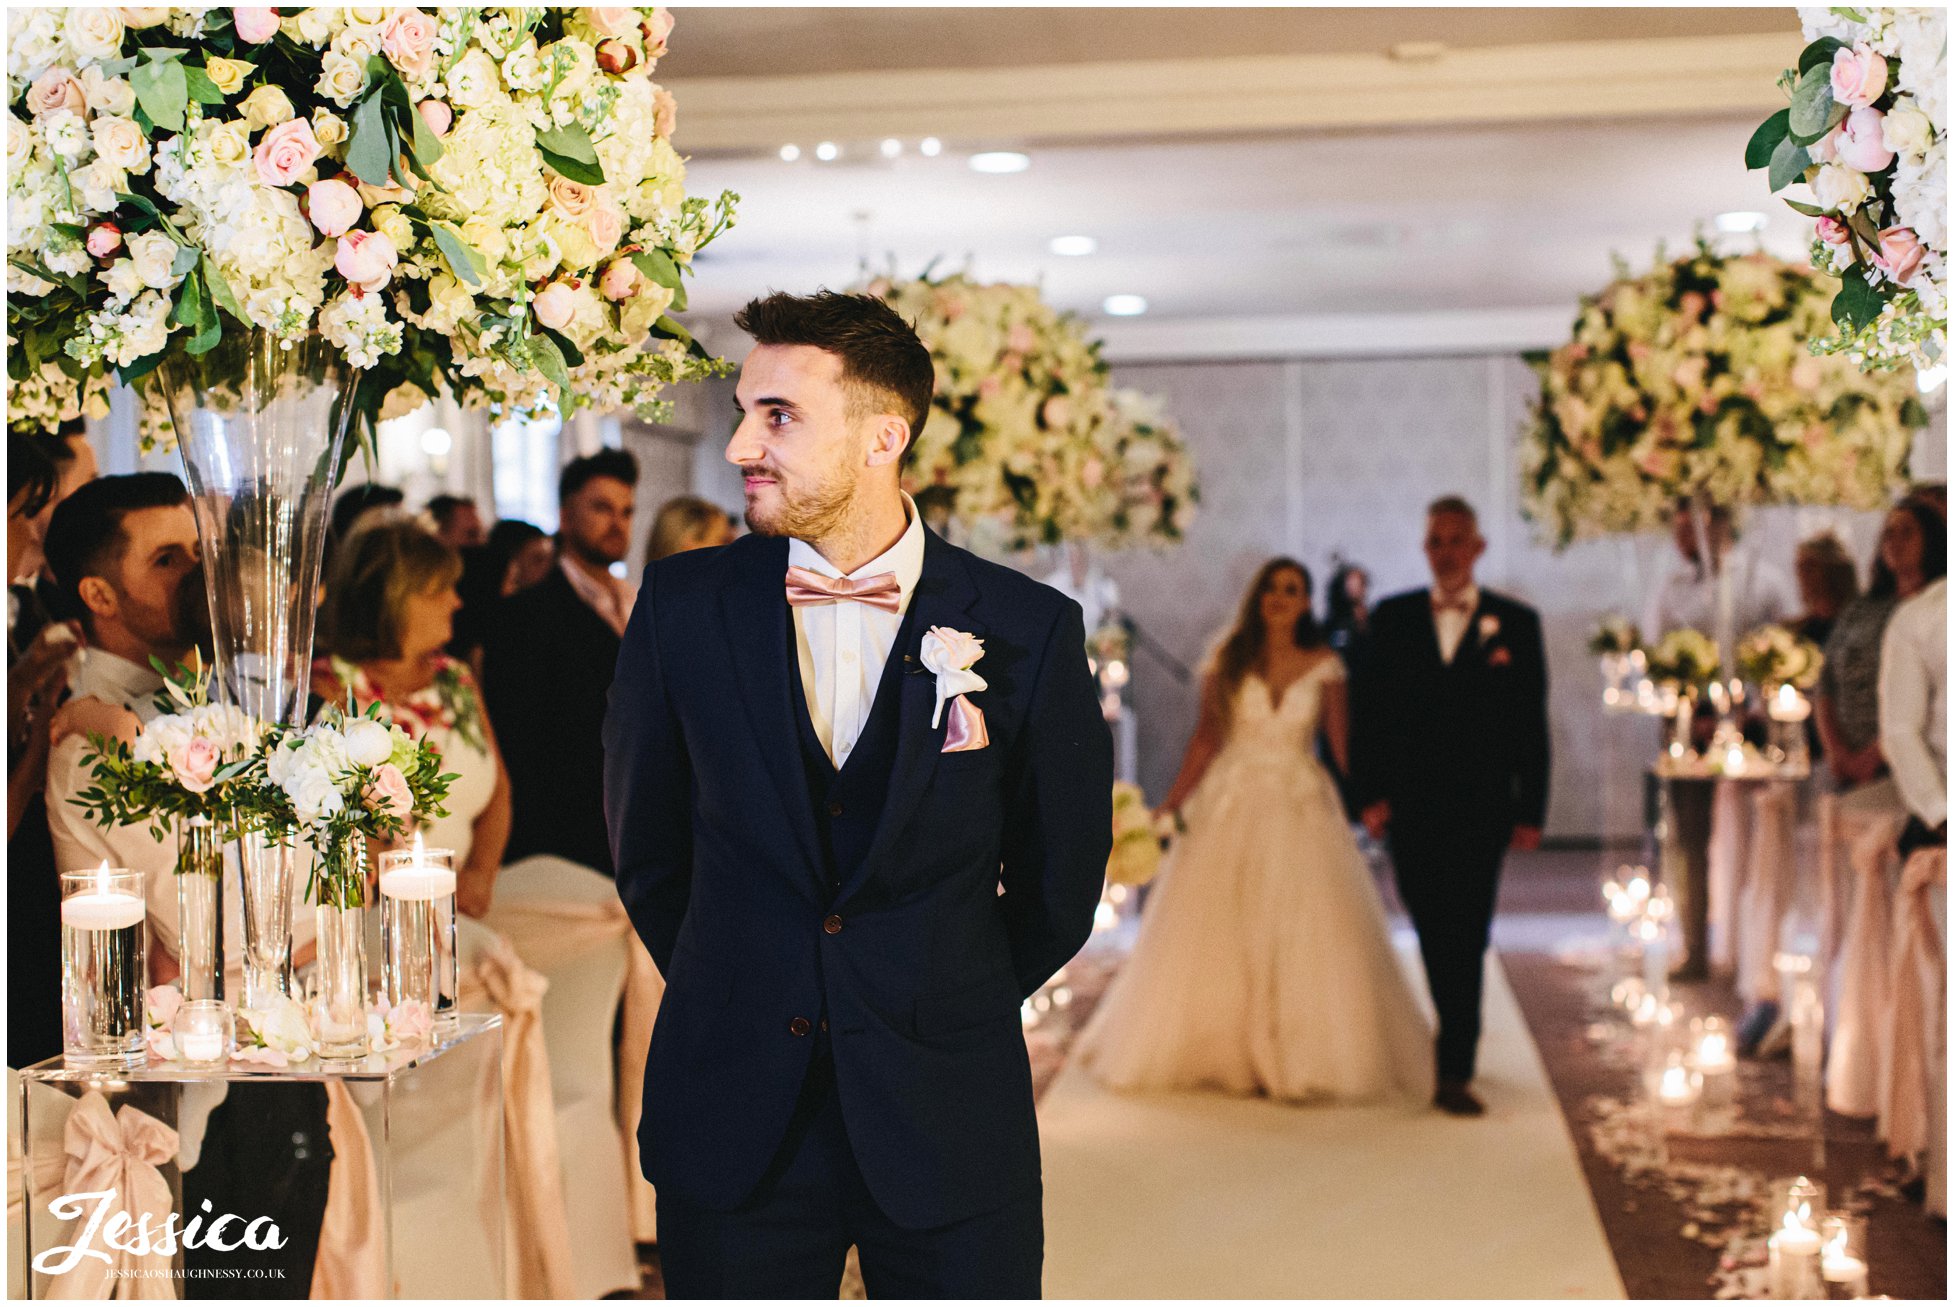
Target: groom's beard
x=809, y=514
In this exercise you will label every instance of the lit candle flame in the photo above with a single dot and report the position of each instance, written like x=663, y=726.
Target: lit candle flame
x=420, y=854
x=1714, y=1048
x=102, y=877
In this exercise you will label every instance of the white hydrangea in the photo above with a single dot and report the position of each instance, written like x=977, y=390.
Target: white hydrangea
x=359, y=325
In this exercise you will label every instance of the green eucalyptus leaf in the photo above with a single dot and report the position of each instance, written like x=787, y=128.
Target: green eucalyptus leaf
x=1820, y=52
x=565, y=346
x=200, y=87
x=575, y=169
x=220, y=291
x=366, y=142
x=162, y=90
x=1811, y=107
x=1857, y=303
x=572, y=142
x=187, y=257
x=1765, y=139
x=1788, y=163
x=461, y=256
x=548, y=360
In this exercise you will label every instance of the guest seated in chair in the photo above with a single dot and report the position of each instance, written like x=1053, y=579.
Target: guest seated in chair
x=383, y=629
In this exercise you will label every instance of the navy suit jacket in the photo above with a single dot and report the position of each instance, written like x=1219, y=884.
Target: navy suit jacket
x=979, y=882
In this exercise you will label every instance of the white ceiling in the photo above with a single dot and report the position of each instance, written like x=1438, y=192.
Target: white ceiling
x=1487, y=206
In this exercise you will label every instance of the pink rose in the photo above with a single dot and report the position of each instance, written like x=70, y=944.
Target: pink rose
x=605, y=225
x=571, y=199
x=619, y=282
x=1092, y=473
x=1826, y=148
x=333, y=205
x=104, y=239
x=1862, y=142
x=989, y=386
x=255, y=26
x=195, y=764
x=160, y=1004
x=664, y=113
x=554, y=305
x=366, y=259
x=56, y=89
x=1056, y=412
x=1900, y=253
x=1832, y=231
x=615, y=56
x=408, y=40
x=285, y=152
x=1858, y=76
x=656, y=28
x=612, y=22
x=1020, y=338
x=438, y=116
x=388, y=792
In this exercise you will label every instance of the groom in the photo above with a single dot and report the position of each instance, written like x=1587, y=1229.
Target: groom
x=859, y=794
x=1451, y=745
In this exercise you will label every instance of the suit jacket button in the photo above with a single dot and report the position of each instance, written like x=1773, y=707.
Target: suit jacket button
x=832, y=925
x=834, y=809
x=799, y=1026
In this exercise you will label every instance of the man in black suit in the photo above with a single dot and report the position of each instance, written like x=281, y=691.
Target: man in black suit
x=1451, y=749
x=854, y=840
x=548, y=654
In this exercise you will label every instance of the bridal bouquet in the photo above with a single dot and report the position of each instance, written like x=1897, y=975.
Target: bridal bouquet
x=485, y=200
x=1684, y=658
x=1146, y=473
x=1774, y=655
x=1866, y=130
x=344, y=779
x=1136, y=848
x=1693, y=380
x=187, y=764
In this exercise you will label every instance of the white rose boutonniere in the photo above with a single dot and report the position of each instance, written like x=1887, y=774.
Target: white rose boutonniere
x=951, y=654
x=1488, y=627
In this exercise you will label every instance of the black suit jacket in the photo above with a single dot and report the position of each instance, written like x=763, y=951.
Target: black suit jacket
x=547, y=662
x=1464, y=742
x=979, y=882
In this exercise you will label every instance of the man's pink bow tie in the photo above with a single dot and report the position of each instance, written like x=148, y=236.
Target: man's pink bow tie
x=805, y=587
x=1440, y=605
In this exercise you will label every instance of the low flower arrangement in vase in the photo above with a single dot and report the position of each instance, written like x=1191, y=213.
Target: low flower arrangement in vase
x=1135, y=858
x=1775, y=655
x=1685, y=658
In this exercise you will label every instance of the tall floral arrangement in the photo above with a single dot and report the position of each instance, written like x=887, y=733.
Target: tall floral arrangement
x=1021, y=393
x=1147, y=489
x=1694, y=380
x=1866, y=131
x=481, y=200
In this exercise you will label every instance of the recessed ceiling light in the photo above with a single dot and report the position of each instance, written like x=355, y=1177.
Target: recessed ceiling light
x=930, y=146
x=789, y=153
x=1125, y=306
x=1000, y=161
x=1073, y=247
x=1741, y=222
x=827, y=152
x=891, y=148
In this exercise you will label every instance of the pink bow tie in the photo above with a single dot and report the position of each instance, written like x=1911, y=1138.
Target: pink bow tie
x=1451, y=606
x=805, y=587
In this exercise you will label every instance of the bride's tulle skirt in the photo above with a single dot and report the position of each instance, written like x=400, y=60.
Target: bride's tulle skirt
x=1264, y=960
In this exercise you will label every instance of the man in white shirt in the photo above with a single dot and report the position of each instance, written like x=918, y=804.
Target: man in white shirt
x=1689, y=596
x=121, y=550
x=1913, y=706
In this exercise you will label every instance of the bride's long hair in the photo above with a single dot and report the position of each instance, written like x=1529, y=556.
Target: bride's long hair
x=1238, y=652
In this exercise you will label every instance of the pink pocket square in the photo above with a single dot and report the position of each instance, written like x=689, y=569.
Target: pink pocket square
x=1499, y=657
x=965, y=730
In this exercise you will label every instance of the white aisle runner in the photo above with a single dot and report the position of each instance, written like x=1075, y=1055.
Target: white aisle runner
x=1188, y=1196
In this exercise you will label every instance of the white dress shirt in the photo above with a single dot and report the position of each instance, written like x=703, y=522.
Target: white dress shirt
x=1452, y=622
x=844, y=646
x=1688, y=597
x=1913, y=702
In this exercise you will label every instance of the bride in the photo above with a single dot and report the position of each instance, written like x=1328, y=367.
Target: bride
x=1264, y=962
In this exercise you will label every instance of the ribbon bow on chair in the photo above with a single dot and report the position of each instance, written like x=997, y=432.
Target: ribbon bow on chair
x=117, y=1154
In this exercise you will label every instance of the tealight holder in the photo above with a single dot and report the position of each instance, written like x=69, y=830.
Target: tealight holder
x=1844, y=1261
x=419, y=962
x=104, y=967
x=1713, y=1054
x=204, y=1032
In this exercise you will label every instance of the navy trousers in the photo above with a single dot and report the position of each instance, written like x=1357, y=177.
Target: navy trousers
x=791, y=1238
x=1448, y=877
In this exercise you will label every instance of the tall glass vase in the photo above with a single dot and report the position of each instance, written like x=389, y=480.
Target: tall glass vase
x=262, y=427
x=200, y=910
x=340, y=996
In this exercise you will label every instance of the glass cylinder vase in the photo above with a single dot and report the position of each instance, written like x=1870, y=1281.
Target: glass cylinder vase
x=340, y=992
x=104, y=967
x=419, y=962
x=262, y=425
x=200, y=910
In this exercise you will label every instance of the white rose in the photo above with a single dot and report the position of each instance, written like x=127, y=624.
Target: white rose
x=230, y=144
x=153, y=252
x=1841, y=189
x=266, y=107
x=390, y=222
x=368, y=742
x=473, y=81
x=314, y=795
x=340, y=79
x=1906, y=130
x=316, y=25
x=359, y=42
x=120, y=143
x=368, y=15
x=105, y=94
x=122, y=279
x=20, y=143
x=327, y=128
x=97, y=185
x=450, y=301
x=95, y=33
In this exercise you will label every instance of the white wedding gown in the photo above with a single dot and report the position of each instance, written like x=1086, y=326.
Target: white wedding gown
x=1264, y=961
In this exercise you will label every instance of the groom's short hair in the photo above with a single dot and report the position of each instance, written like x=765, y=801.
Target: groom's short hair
x=1453, y=504
x=884, y=364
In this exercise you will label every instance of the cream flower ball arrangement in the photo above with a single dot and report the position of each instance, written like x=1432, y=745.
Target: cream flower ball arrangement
x=481, y=201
